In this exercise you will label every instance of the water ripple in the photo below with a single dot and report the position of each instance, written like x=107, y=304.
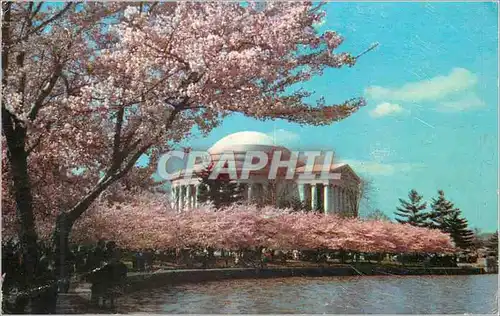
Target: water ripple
x=331, y=295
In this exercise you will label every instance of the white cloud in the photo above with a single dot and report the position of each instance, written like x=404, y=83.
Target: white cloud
x=433, y=89
x=386, y=108
x=284, y=137
x=378, y=168
x=467, y=102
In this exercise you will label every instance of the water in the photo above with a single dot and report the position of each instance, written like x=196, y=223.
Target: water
x=331, y=295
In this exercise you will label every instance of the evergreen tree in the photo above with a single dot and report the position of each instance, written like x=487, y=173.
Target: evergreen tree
x=447, y=218
x=478, y=241
x=413, y=211
x=456, y=226
x=442, y=209
x=221, y=192
x=492, y=245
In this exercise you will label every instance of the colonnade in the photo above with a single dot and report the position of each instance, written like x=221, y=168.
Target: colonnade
x=255, y=191
x=185, y=196
x=335, y=199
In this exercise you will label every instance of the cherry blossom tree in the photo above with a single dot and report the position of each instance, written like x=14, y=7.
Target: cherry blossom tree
x=44, y=53
x=150, y=223
x=89, y=88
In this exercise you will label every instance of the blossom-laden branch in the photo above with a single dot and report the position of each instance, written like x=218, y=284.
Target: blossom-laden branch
x=92, y=87
x=149, y=222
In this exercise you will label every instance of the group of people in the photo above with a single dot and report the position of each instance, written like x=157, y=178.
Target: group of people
x=100, y=265
x=143, y=260
x=18, y=292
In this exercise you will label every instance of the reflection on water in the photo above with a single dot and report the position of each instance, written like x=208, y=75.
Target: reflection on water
x=331, y=295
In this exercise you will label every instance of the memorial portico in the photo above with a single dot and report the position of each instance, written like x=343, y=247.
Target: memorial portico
x=333, y=195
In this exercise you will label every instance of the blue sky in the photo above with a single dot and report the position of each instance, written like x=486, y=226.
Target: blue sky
x=432, y=92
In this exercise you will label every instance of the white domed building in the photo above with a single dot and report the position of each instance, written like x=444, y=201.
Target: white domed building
x=337, y=195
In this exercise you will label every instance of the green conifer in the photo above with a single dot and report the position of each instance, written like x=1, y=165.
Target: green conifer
x=413, y=211
x=492, y=245
x=457, y=227
x=442, y=209
x=221, y=191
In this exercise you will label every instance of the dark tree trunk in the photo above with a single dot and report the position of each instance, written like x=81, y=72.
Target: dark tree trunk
x=24, y=205
x=258, y=257
x=60, y=241
x=15, y=134
x=211, y=257
x=342, y=256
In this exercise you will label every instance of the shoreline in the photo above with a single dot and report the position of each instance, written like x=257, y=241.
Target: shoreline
x=139, y=281
x=145, y=280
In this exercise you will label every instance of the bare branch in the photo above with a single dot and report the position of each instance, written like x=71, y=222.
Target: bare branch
x=45, y=92
x=6, y=8
x=113, y=176
x=118, y=133
x=37, y=9
x=372, y=47
x=47, y=22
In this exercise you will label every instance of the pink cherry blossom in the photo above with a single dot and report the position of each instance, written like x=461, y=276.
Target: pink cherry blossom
x=89, y=88
x=150, y=223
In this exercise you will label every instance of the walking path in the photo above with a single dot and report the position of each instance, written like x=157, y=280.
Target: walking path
x=77, y=301
x=73, y=303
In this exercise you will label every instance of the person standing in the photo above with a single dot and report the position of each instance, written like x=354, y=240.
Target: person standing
x=65, y=269
x=80, y=259
x=149, y=259
x=96, y=257
x=140, y=258
x=109, y=251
